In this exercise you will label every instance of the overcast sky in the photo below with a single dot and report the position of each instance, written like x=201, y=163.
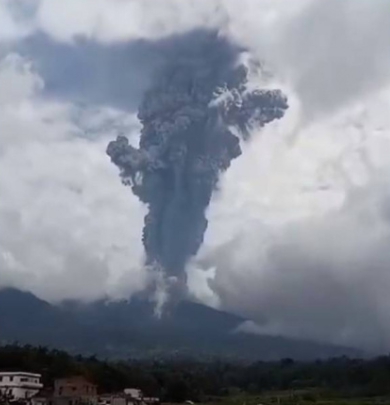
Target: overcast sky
x=299, y=233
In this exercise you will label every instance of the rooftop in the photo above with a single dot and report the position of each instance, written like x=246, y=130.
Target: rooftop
x=73, y=378
x=19, y=373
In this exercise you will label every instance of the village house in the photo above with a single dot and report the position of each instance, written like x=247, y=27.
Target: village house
x=74, y=390
x=26, y=388
x=130, y=396
x=19, y=386
x=134, y=396
x=112, y=399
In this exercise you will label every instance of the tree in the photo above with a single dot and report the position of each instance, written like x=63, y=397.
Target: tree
x=178, y=391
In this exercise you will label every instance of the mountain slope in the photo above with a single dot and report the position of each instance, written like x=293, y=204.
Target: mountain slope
x=129, y=329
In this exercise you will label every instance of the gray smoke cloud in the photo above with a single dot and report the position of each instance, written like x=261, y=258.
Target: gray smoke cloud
x=187, y=141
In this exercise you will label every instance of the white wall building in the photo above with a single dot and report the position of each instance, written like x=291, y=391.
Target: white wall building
x=133, y=393
x=20, y=385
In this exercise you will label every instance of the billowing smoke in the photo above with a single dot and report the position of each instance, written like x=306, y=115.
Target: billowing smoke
x=192, y=119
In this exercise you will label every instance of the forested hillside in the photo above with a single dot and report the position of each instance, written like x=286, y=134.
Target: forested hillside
x=180, y=380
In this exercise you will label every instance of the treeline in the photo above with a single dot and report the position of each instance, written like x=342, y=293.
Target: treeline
x=177, y=381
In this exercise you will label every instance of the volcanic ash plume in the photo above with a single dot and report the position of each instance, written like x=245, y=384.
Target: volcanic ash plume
x=186, y=141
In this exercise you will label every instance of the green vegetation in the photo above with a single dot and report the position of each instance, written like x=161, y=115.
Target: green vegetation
x=338, y=381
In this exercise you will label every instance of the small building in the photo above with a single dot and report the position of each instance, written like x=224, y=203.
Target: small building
x=134, y=396
x=19, y=386
x=112, y=399
x=130, y=396
x=133, y=393
x=74, y=390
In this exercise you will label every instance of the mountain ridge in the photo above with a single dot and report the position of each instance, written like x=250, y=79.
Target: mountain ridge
x=128, y=329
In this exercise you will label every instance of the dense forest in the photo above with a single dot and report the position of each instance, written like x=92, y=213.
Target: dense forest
x=180, y=380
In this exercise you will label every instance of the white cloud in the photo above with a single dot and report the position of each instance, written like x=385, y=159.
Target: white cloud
x=13, y=25
x=115, y=20
x=69, y=228
x=299, y=235
x=335, y=51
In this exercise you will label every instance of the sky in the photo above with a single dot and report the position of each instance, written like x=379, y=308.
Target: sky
x=299, y=231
